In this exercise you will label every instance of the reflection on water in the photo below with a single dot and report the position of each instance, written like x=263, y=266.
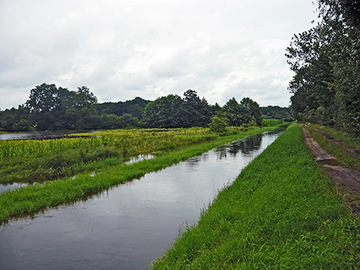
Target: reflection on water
x=38, y=135
x=139, y=158
x=9, y=187
x=245, y=146
x=130, y=225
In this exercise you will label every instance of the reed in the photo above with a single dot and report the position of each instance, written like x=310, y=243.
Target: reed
x=36, y=161
x=38, y=196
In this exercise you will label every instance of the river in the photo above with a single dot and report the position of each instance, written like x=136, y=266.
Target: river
x=131, y=224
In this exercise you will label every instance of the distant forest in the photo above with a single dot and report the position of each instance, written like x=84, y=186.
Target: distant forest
x=326, y=63
x=55, y=108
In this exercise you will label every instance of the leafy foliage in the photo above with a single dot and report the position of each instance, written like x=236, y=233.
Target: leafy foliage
x=242, y=113
x=277, y=112
x=164, y=112
x=53, y=108
x=58, y=108
x=133, y=107
x=218, y=124
x=235, y=113
x=326, y=62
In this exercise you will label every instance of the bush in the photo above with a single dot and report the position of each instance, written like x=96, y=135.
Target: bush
x=218, y=124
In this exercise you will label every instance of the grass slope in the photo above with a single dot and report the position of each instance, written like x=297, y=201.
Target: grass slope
x=39, y=196
x=281, y=213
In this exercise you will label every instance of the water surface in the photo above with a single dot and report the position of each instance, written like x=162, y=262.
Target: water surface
x=130, y=225
x=9, y=187
x=13, y=186
x=37, y=135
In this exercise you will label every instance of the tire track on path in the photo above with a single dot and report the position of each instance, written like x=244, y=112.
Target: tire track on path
x=341, y=175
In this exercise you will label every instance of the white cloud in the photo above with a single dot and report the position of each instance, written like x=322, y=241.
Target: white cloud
x=127, y=48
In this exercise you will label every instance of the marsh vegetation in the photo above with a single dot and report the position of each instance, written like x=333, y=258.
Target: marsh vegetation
x=96, y=162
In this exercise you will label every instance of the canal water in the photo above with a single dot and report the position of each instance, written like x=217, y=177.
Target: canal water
x=130, y=225
x=36, y=135
x=13, y=186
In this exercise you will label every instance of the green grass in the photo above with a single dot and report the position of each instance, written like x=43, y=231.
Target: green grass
x=36, y=161
x=39, y=196
x=340, y=151
x=280, y=213
x=31, y=161
x=340, y=135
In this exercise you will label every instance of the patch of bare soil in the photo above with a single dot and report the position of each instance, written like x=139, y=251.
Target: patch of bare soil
x=346, y=179
x=338, y=142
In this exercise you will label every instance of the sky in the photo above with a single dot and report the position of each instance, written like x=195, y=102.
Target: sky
x=122, y=49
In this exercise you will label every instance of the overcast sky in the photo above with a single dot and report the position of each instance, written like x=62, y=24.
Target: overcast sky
x=122, y=49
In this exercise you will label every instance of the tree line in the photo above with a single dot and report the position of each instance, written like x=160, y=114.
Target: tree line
x=56, y=108
x=277, y=112
x=326, y=65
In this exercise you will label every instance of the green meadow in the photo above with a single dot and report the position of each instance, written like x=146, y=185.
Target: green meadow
x=282, y=212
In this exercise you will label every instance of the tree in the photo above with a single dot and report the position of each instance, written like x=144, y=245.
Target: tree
x=135, y=107
x=277, y=112
x=196, y=111
x=172, y=111
x=218, y=124
x=164, y=112
x=345, y=11
x=344, y=18
x=44, y=105
x=235, y=113
x=84, y=98
x=309, y=58
x=58, y=108
x=15, y=119
x=253, y=111
x=325, y=60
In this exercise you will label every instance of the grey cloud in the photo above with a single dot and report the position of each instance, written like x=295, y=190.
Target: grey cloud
x=123, y=49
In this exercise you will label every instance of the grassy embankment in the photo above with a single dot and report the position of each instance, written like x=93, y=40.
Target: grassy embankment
x=188, y=143
x=280, y=213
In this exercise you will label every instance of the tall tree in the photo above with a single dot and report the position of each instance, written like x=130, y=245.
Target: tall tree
x=325, y=59
x=164, y=112
x=309, y=58
x=253, y=111
x=58, y=108
x=235, y=113
x=15, y=119
x=196, y=111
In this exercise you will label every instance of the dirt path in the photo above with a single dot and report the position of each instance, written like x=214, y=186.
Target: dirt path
x=338, y=142
x=345, y=178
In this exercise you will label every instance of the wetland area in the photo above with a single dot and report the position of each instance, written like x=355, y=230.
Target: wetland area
x=130, y=225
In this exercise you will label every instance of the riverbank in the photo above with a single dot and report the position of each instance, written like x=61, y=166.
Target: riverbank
x=281, y=213
x=36, y=197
